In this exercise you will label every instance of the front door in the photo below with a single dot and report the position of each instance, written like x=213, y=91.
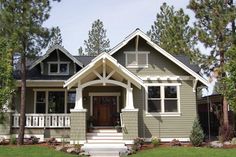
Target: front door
x=104, y=110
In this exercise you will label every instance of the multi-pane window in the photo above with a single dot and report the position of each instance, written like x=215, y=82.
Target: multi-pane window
x=70, y=101
x=136, y=59
x=56, y=101
x=59, y=68
x=40, y=102
x=162, y=99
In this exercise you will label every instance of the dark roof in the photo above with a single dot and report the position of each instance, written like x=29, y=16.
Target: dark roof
x=85, y=59
x=186, y=61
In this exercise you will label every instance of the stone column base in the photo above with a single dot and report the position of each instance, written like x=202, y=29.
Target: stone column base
x=130, y=122
x=78, y=126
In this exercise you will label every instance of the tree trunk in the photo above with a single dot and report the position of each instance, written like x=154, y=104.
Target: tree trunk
x=22, y=102
x=225, y=112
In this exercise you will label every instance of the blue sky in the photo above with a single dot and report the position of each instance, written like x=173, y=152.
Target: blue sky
x=120, y=18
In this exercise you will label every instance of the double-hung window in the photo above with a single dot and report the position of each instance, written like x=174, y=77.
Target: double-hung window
x=136, y=59
x=163, y=99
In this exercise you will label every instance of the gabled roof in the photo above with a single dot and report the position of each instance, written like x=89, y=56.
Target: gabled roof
x=138, y=32
x=133, y=78
x=49, y=51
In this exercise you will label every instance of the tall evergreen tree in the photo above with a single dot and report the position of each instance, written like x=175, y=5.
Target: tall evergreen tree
x=172, y=32
x=21, y=21
x=97, y=41
x=212, y=27
x=56, y=37
x=80, y=51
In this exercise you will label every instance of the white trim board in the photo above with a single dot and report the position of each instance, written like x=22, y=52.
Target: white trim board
x=138, y=32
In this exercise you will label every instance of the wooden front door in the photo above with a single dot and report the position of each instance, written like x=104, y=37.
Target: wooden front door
x=104, y=110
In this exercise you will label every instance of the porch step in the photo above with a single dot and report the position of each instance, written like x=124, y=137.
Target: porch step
x=104, y=153
x=104, y=134
x=105, y=141
x=104, y=131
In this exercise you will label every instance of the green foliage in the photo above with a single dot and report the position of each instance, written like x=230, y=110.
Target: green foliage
x=155, y=141
x=80, y=51
x=97, y=39
x=6, y=77
x=230, y=80
x=197, y=135
x=13, y=140
x=172, y=33
x=56, y=37
x=212, y=30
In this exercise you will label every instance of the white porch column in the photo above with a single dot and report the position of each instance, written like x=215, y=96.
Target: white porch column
x=129, y=98
x=79, y=99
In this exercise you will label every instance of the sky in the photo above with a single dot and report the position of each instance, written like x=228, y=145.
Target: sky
x=120, y=18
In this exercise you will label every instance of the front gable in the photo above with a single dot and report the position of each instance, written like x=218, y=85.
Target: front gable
x=159, y=62
x=56, y=62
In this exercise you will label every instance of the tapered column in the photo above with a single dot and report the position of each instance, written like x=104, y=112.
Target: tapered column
x=79, y=99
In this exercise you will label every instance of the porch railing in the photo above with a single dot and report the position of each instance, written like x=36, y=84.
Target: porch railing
x=43, y=120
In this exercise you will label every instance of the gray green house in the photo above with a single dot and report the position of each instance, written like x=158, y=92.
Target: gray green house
x=137, y=85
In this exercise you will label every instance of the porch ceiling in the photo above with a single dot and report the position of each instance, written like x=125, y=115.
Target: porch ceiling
x=106, y=70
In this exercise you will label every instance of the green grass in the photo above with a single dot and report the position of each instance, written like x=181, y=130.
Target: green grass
x=186, y=152
x=30, y=151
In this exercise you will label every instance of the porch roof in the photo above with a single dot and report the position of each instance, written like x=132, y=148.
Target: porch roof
x=117, y=68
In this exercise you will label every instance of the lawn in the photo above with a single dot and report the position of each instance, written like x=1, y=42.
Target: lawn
x=186, y=152
x=31, y=151
x=40, y=151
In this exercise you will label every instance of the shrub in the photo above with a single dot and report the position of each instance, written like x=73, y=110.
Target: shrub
x=52, y=141
x=175, y=142
x=155, y=141
x=226, y=133
x=197, y=135
x=138, y=143
x=34, y=139
x=13, y=140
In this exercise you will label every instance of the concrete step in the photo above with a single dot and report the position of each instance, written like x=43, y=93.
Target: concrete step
x=104, y=134
x=104, y=137
x=104, y=153
x=104, y=131
x=105, y=141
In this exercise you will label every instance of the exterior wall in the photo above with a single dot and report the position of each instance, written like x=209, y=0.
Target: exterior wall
x=167, y=126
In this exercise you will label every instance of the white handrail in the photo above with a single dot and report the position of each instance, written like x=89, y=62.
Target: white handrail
x=43, y=120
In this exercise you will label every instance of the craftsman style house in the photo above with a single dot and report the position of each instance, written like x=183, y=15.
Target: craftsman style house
x=137, y=85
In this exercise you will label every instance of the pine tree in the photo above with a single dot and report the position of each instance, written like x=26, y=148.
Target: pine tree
x=80, y=51
x=21, y=21
x=211, y=25
x=97, y=41
x=197, y=135
x=171, y=32
x=56, y=37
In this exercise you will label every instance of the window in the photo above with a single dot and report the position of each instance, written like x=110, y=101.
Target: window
x=56, y=102
x=40, y=102
x=70, y=101
x=136, y=59
x=162, y=99
x=58, y=68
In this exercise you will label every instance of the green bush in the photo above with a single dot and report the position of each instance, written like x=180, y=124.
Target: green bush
x=13, y=140
x=197, y=135
x=155, y=141
x=226, y=133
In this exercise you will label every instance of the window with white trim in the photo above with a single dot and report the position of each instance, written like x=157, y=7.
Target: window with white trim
x=163, y=99
x=136, y=59
x=58, y=68
x=40, y=102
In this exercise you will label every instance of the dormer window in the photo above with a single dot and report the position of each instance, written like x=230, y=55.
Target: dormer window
x=136, y=59
x=58, y=68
